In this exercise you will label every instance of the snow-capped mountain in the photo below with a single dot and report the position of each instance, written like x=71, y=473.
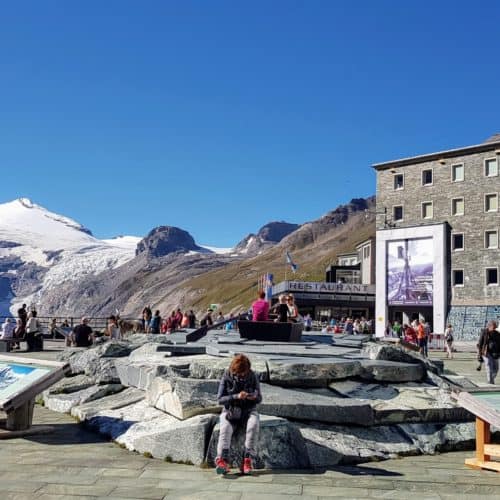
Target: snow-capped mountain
x=39, y=250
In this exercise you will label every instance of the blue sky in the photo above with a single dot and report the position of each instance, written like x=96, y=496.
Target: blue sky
x=220, y=116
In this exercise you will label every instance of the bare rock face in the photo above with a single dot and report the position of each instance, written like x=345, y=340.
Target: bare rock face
x=164, y=240
x=267, y=236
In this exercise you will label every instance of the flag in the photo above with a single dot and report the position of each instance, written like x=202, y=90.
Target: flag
x=290, y=261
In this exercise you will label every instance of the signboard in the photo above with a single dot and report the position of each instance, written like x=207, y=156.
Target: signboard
x=314, y=286
x=410, y=272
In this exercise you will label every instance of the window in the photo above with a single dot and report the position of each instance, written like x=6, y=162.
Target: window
x=491, y=167
x=458, y=277
x=397, y=213
x=427, y=210
x=492, y=276
x=457, y=241
x=457, y=206
x=457, y=172
x=491, y=239
x=399, y=181
x=366, y=252
x=427, y=177
x=490, y=202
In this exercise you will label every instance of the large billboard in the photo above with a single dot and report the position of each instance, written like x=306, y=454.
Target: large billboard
x=410, y=272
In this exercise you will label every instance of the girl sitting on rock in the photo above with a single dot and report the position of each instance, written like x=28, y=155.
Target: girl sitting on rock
x=239, y=393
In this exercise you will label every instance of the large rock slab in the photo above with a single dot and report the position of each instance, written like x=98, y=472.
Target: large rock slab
x=103, y=370
x=149, y=351
x=310, y=372
x=127, y=397
x=280, y=445
x=72, y=384
x=405, y=403
x=309, y=406
x=396, y=352
x=139, y=375
x=64, y=402
x=279, y=349
x=441, y=437
x=210, y=367
x=170, y=439
x=333, y=445
x=79, y=359
x=184, y=397
x=391, y=371
x=115, y=422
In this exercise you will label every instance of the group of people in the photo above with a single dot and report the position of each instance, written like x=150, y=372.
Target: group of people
x=286, y=309
x=417, y=332
x=350, y=326
x=26, y=327
x=154, y=323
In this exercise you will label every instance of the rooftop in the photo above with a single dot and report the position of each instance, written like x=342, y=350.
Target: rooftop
x=492, y=143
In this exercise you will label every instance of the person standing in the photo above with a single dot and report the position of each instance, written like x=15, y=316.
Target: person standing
x=422, y=338
x=32, y=329
x=396, y=328
x=489, y=349
x=293, y=311
x=113, y=331
x=155, y=322
x=82, y=334
x=192, y=319
x=8, y=328
x=260, y=308
x=448, y=338
x=239, y=394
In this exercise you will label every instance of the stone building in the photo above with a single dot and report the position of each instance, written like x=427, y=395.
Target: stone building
x=437, y=238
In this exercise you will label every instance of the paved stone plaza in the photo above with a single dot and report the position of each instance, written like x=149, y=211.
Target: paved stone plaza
x=72, y=462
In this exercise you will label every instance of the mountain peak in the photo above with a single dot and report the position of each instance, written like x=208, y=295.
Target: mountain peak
x=163, y=240
x=26, y=202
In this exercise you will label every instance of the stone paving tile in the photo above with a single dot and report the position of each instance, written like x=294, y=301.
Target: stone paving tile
x=342, y=492
x=140, y=492
x=65, y=497
x=11, y=484
x=77, y=489
x=205, y=495
x=257, y=488
x=116, y=472
x=374, y=493
x=127, y=482
x=275, y=496
x=175, y=485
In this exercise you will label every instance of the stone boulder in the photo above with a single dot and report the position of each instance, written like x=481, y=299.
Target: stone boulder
x=405, y=403
x=68, y=385
x=79, y=359
x=140, y=375
x=432, y=438
x=183, y=397
x=170, y=439
x=396, y=352
x=210, y=367
x=127, y=397
x=328, y=446
x=280, y=445
x=305, y=406
x=115, y=422
x=63, y=403
x=391, y=371
x=311, y=372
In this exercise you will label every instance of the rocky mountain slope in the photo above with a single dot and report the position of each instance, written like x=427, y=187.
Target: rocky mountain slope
x=73, y=273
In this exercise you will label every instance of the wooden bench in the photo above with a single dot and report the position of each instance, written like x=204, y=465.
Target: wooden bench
x=485, y=405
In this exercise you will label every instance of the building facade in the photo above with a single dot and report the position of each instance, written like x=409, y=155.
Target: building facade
x=348, y=289
x=437, y=245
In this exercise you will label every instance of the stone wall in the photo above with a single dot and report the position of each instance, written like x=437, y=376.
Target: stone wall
x=468, y=321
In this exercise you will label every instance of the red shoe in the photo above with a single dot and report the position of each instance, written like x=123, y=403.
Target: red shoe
x=221, y=466
x=246, y=466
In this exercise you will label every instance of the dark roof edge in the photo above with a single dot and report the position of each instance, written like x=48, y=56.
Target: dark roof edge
x=478, y=148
